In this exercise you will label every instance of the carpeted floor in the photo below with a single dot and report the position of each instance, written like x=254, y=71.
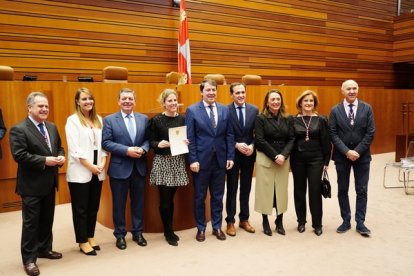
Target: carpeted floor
x=389, y=250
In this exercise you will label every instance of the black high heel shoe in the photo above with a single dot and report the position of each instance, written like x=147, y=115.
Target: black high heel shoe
x=279, y=225
x=90, y=253
x=266, y=226
x=96, y=247
x=301, y=228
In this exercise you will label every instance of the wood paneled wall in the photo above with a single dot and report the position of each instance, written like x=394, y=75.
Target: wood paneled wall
x=296, y=42
x=404, y=38
x=386, y=104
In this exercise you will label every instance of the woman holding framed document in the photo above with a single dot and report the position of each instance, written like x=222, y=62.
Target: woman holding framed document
x=168, y=171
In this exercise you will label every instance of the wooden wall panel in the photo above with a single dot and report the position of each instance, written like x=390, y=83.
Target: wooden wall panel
x=386, y=104
x=307, y=42
x=404, y=38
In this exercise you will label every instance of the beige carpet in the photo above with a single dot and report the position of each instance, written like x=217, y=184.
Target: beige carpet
x=389, y=251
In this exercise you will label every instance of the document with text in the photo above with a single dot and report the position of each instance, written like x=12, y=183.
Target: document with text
x=177, y=137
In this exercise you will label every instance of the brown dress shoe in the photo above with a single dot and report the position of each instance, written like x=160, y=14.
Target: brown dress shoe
x=53, y=255
x=31, y=269
x=201, y=236
x=246, y=226
x=231, y=231
x=219, y=234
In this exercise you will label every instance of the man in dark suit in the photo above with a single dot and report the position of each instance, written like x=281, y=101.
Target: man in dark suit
x=36, y=147
x=2, y=130
x=123, y=135
x=352, y=129
x=211, y=152
x=242, y=118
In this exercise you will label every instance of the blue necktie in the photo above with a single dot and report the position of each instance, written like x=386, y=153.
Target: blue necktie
x=241, y=119
x=351, y=114
x=131, y=129
x=212, y=118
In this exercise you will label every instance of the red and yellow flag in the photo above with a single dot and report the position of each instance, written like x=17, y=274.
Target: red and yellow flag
x=184, y=59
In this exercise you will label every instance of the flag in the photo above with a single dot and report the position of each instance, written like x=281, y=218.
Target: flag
x=184, y=59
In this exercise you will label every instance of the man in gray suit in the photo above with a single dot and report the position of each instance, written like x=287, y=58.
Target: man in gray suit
x=36, y=147
x=123, y=135
x=352, y=128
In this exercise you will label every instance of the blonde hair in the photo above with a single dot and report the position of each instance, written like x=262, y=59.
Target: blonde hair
x=303, y=95
x=92, y=115
x=164, y=95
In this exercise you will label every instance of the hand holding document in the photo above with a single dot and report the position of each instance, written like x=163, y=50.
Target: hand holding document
x=178, y=137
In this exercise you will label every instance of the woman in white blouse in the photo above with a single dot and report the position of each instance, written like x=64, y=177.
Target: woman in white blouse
x=85, y=172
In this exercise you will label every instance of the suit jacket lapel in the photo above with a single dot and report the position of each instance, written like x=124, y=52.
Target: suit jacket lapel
x=36, y=133
x=343, y=117
x=121, y=124
x=249, y=118
x=205, y=116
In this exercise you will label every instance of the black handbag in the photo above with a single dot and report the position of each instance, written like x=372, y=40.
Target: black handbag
x=326, y=185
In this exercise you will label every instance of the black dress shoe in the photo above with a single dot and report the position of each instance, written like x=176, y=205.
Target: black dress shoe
x=266, y=228
x=53, y=255
x=31, y=269
x=121, y=243
x=219, y=234
x=96, y=247
x=318, y=231
x=280, y=230
x=171, y=240
x=301, y=228
x=90, y=253
x=201, y=236
x=139, y=238
x=177, y=238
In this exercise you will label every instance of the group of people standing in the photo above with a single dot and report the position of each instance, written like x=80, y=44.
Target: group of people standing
x=222, y=141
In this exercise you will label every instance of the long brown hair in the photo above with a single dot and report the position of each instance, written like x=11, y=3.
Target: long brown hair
x=282, y=110
x=92, y=115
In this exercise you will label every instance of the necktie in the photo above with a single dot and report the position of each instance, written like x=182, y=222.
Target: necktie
x=212, y=118
x=241, y=119
x=43, y=132
x=351, y=114
x=131, y=129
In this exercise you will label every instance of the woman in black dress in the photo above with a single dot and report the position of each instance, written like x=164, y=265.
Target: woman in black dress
x=309, y=157
x=168, y=172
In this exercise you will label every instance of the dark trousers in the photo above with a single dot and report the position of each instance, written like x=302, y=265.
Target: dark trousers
x=37, y=237
x=167, y=206
x=243, y=167
x=211, y=179
x=120, y=187
x=361, y=175
x=307, y=168
x=85, y=198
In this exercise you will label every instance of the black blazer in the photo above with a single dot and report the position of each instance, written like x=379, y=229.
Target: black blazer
x=274, y=135
x=356, y=137
x=2, y=131
x=29, y=150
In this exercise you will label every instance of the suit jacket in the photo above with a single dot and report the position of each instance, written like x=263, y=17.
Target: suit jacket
x=81, y=141
x=116, y=140
x=2, y=131
x=356, y=137
x=205, y=140
x=29, y=150
x=274, y=135
x=243, y=135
